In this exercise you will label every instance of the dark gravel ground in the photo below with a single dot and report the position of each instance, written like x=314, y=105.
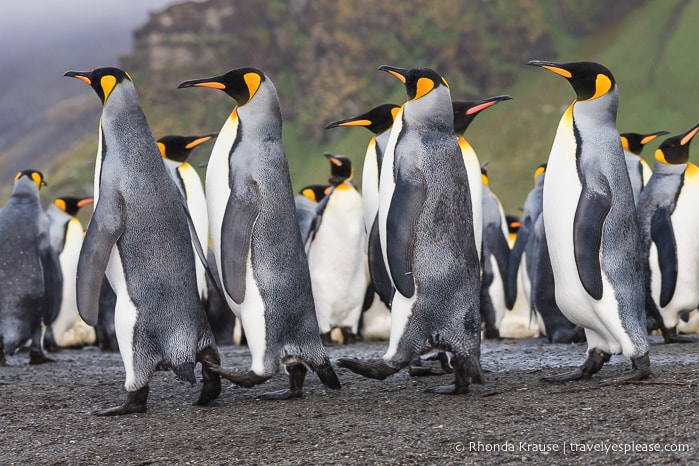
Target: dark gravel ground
x=45, y=414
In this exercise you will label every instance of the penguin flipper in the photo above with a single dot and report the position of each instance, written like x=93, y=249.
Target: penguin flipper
x=377, y=267
x=662, y=234
x=589, y=219
x=103, y=231
x=406, y=207
x=317, y=219
x=238, y=221
x=53, y=284
x=513, y=263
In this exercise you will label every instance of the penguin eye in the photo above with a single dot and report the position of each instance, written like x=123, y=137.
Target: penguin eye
x=423, y=87
x=252, y=80
x=602, y=85
x=107, y=82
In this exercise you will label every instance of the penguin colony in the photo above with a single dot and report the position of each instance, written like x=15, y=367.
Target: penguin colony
x=604, y=251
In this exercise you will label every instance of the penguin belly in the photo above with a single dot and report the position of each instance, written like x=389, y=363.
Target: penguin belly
x=496, y=291
x=370, y=186
x=196, y=204
x=252, y=318
x=68, y=259
x=473, y=171
x=401, y=310
x=336, y=262
x=562, y=189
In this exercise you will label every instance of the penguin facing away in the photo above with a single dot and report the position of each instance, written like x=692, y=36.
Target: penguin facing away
x=66, y=235
x=639, y=171
x=464, y=114
x=590, y=224
x=175, y=149
x=379, y=121
x=336, y=255
x=30, y=275
x=494, y=258
x=424, y=216
x=256, y=239
x=669, y=220
x=140, y=236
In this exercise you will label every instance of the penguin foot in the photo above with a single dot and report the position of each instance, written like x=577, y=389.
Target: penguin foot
x=212, y=381
x=349, y=337
x=452, y=389
x=245, y=379
x=3, y=363
x=38, y=357
x=135, y=403
x=671, y=336
x=371, y=368
x=595, y=360
x=491, y=333
x=297, y=375
x=462, y=374
x=640, y=369
x=421, y=371
x=327, y=340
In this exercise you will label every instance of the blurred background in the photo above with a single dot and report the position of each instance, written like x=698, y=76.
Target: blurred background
x=323, y=56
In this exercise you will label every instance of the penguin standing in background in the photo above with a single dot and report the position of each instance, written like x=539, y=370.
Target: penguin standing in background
x=494, y=258
x=426, y=232
x=669, y=221
x=379, y=121
x=256, y=239
x=310, y=203
x=591, y=228
x=66, y=236
x=175, y=150
x=464, y=114
x=336, y=255
x=30, y=276
x=141, y=236
x=530, y=261
x=639, y=171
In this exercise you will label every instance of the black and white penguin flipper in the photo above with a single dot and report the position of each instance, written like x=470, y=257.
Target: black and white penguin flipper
x=103, y=231
x=590, y=215
x=53, y=283
x=663, y=235
x=406, y=207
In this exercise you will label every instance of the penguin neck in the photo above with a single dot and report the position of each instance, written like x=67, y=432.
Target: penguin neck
x=602, y=109
x=669, y=169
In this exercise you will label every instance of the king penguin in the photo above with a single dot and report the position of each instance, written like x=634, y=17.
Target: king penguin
x=379, y=121
x=30, y=276
x=175, y=149
x=591, y=227
x=669, y=222
x=256, y=239
x=495, y=255
x=336, y=255
x=141, y=236
x=639, y=171
x=66, y=233
x=426, y=232
x=464, y=114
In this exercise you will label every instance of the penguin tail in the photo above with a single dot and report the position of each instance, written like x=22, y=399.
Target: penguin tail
x=185, y=372
x=326, y=374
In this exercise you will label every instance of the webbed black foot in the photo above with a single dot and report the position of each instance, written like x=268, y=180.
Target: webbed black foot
x=37, y=356
x=212, y=381
x=245, y=379
x=640, y=369
x=671, y=336
x=595, y=360
x=349, y=337
x=371, y=368
x=462, y=375
x=297, y=375
x=135, y=403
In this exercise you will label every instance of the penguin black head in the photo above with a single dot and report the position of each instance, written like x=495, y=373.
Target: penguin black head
x=71, y=205
x=589, y=79
x=241, y=83
x=465, y=112
x=634, y=142
x=377, y=120
x=178, y=148
x=418, y=81
x=102, y=80
x=513, y=223
x=675, y=149
x=484, y=173
x=315, y=192
x=340, y=169
x=34, y=175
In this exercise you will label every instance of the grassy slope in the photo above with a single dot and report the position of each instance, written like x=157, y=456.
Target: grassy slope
x=656, y=71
